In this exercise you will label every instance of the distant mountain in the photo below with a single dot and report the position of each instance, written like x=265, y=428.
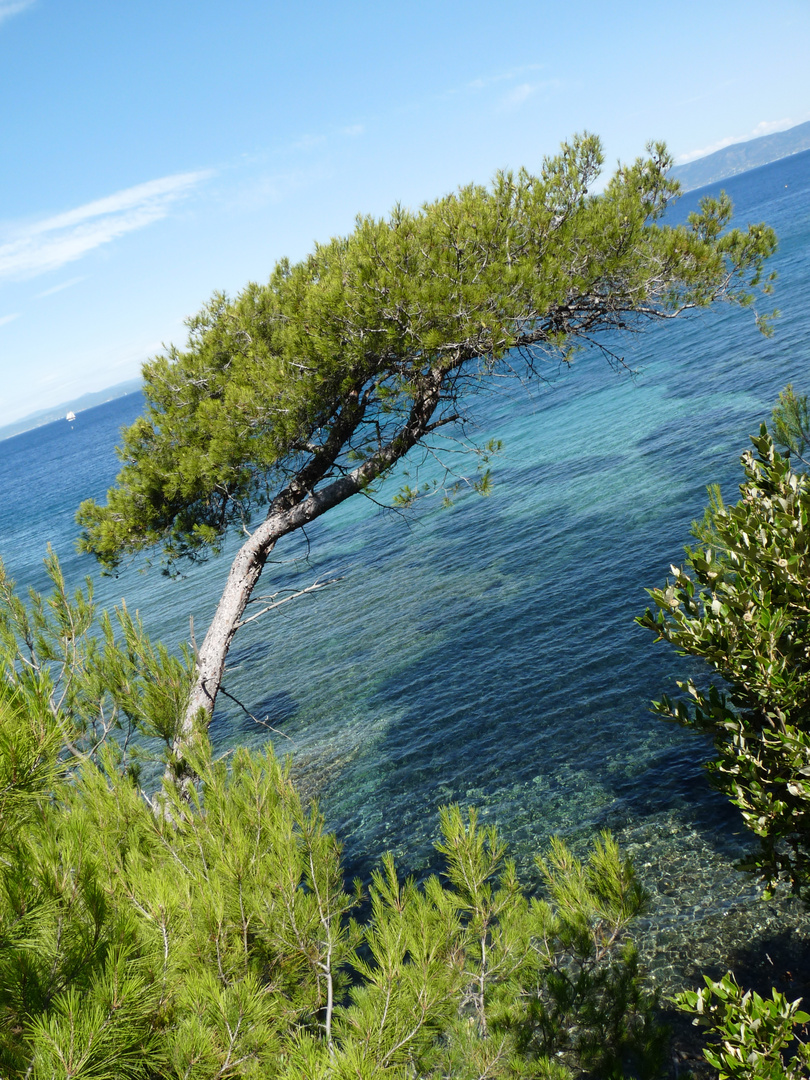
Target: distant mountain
x=86, y=401
x=742, y=156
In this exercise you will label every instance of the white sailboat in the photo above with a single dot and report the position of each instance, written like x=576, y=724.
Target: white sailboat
x=71, y=416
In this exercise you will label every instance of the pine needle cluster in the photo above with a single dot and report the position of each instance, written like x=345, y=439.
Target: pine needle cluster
x=216, y=937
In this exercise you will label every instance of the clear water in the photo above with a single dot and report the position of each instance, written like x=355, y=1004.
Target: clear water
x=487, y=653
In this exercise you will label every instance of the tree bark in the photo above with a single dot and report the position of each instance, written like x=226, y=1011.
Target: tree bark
x=282, y=519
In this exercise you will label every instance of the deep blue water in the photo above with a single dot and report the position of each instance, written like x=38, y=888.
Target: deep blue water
x=487, y=653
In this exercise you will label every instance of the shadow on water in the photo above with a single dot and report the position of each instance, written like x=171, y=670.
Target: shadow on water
x=489, y=715
x=488, y=655
x=531, y=702
x=778, y=960
x=260, y=720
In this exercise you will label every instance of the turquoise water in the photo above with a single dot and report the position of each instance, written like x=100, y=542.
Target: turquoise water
x=487, y=653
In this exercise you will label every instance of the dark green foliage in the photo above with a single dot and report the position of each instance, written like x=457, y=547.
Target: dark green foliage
x=742, y=605
x=756, y=1038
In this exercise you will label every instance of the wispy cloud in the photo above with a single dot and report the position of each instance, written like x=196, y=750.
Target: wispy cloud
x=9, y=318
x=501, y=76
x=13, y=7
x=521, y=93
x=55, y=241
x=64, y=285
x=321, y=139
x=309, y=142
x=764, y=127
x=507, y=100
x=272, y=188
x=516, y=97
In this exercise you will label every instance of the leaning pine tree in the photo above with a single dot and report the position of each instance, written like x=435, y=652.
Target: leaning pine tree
x=302, y=392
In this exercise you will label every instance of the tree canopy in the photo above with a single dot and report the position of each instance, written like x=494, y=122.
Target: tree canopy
x=298, y=393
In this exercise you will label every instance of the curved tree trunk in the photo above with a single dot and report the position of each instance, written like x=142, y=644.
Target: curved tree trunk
x=284, y=518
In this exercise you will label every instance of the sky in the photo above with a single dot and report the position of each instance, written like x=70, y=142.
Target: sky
x=154, y=152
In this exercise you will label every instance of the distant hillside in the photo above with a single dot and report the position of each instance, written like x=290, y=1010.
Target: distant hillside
x=86, y=401
x=743, y=156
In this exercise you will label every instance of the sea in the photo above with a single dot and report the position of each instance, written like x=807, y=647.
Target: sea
x=486, y=653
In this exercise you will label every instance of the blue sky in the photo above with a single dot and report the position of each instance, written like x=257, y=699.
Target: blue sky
x=154, y=151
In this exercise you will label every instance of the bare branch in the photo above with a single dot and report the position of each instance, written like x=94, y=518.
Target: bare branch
x=314, y=587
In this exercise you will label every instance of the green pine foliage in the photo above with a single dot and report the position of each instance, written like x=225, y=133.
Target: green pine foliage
x=86, y=675
x=369, y=343
x=742, y=605
x=208, y=933
x=304, y=391
x=29, y=766
x=791, y=423
x=216, y=938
